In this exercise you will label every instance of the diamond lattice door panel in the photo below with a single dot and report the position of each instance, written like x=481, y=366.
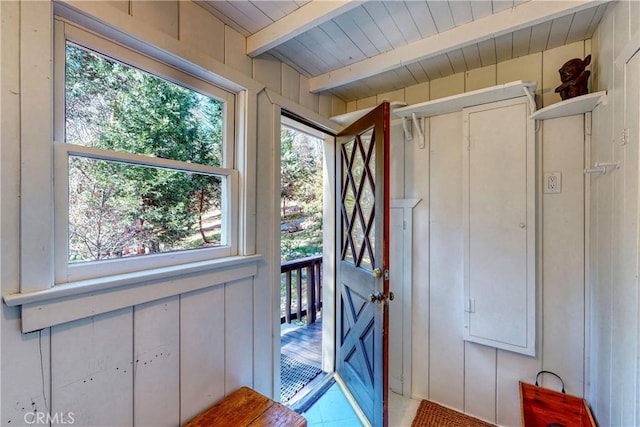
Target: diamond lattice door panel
x=362, y=259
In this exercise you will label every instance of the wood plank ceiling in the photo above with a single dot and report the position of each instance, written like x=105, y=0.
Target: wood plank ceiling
x=357, y=49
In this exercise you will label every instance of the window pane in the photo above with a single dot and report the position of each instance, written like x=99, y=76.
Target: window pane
x=113, y=106
x=119, y=210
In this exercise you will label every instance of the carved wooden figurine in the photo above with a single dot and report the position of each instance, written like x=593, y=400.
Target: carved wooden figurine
x=574, y=78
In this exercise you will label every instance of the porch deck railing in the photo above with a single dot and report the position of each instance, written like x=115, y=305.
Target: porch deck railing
x=308, y=298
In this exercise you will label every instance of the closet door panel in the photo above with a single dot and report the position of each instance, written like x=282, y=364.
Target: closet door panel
x=499, y=221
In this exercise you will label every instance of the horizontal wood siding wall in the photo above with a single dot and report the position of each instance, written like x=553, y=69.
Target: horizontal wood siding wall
x=615, y=370
x=162, y=362
x=481, y=380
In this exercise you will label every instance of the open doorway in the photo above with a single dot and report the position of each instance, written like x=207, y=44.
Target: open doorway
x=302, y=279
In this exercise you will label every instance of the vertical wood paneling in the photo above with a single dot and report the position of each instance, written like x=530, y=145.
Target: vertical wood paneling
x=446, y=347
x=92, y=369
x=480, y=381
x=396, y=95
x=338, y=106
x=625, y=351
x=307, y=99
x=162, y=15
x=417, y=93
x=480, y=78
x=447, y=86
x=202, y=351
x=528, y=68
x=156, y=363
x=417, y=186
x=628, y=308
x=396, y=219
x=632, y=165
x=267, y=70
x=121, y=5
x=267, y=319
x=366, y=102
x=290, y=83
x=511, y=368
x=25, y=369
x=24, y=361
x=234, y=52
x=199, y=28
x=563, y=253
x=238, y=335
x=601, y=242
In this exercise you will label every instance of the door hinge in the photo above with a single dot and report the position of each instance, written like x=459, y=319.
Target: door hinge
x=624, y=138
x=471, y=306
x=386, y=274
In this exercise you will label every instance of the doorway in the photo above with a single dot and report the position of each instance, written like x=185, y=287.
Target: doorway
x=302, y=279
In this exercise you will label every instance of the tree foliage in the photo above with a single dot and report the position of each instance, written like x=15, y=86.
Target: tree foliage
x=300, y=195
x=118, y=209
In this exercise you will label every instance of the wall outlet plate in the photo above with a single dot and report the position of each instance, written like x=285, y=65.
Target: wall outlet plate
x=552, y=183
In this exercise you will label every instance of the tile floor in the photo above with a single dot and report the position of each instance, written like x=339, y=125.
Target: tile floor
x=333, y=410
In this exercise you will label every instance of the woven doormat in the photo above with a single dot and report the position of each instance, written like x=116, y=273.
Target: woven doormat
x=433, y=415
x=294, y=375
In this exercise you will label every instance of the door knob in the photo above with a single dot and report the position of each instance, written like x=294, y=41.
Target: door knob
x=377, y=273
x=380, y=297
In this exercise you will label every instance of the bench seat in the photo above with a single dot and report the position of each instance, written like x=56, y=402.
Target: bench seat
x=247, y=407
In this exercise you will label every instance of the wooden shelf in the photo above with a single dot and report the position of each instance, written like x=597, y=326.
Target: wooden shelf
x=453, y=103
x=570, y=107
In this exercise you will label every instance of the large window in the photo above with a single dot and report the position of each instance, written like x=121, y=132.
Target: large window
x=144, y=163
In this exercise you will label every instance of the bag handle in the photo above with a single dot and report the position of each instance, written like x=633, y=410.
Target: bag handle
x=552, y=373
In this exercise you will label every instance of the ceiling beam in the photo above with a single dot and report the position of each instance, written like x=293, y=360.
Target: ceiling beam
x=507, y=21
x=300, y=20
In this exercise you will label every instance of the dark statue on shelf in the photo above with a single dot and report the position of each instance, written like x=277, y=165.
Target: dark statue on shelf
x=574, y=78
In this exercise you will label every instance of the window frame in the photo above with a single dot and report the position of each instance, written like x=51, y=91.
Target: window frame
x=44, y=303
x=65, y=272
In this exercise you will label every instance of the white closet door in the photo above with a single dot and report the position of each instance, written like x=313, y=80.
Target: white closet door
x=499, y=198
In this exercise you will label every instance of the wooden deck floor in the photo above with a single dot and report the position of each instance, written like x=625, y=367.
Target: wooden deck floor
x=304, y=344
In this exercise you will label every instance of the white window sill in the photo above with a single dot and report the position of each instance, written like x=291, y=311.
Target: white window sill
x=76, y=300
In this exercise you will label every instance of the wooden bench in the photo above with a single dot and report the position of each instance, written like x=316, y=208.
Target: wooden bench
x=247, y=407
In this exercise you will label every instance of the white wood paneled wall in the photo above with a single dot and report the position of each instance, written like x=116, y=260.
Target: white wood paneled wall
x=161, y=362
x=473, y=378
x=615, y=335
